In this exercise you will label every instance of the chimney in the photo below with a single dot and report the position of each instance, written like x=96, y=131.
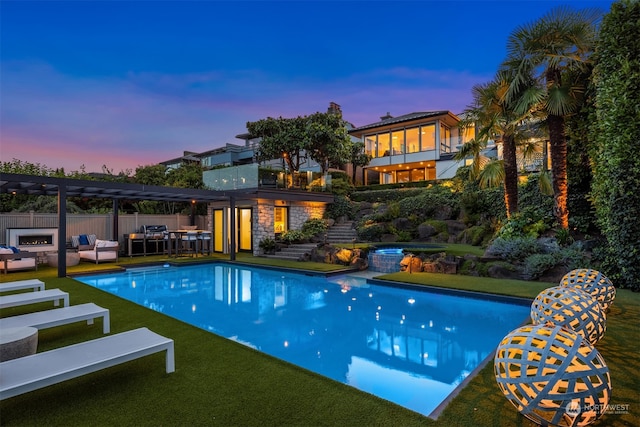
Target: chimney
x=387, y=116
x=334, y=108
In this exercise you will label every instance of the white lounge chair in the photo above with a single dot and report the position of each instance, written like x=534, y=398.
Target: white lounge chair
x=15, y=300
x=35, y=284
x=59, y=316
x=39, y=370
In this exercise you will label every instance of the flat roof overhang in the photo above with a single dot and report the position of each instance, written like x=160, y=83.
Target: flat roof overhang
x=35, y=185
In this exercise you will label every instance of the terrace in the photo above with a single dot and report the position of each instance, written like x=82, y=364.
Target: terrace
x=220, y=382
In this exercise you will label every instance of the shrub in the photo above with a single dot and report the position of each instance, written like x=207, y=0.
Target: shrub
x=616, y=169
x=293, y=236
x=371, y=232
x=524, y=223
x=313, y=227
x=573, y=257
x=535, y=265
x=268, y=245
x=513, y=249
x=430, y=201
x=341, y=207
x=478, y=235
x=439, y=226
x=404, y=236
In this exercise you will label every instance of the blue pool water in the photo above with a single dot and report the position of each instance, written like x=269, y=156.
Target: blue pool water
x=409, y=346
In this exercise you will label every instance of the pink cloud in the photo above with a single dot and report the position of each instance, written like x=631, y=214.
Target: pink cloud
x=67, y=121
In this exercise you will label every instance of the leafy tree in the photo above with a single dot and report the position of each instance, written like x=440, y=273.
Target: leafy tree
x=151, y=175
x=579, y=170
x=495, y=117
x=358, y=158
x=26, y=168
x=280, y=138
x=326, y=139
x=551, y=49
x=616, y=169
x=188, y=175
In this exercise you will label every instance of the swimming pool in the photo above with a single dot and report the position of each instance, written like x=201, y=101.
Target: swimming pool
x=406, y=345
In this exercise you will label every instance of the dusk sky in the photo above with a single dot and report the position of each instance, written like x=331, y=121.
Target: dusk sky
x=126, y=84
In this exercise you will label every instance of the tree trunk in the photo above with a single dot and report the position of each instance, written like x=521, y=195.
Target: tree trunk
x=510, y=175
x=558, y=148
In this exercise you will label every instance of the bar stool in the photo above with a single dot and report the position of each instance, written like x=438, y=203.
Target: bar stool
x=205, y=237
x=190, y=242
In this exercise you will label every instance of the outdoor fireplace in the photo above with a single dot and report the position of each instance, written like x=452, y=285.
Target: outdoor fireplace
x=33, y=239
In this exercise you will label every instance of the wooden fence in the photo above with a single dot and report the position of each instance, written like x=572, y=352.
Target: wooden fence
x=99, y=224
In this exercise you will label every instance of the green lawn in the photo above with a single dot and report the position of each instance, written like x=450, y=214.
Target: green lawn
x=219, y=382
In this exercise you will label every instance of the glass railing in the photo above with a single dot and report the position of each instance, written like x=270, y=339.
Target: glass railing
x=251, y=176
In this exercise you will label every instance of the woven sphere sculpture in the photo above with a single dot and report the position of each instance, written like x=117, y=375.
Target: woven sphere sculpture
x=592, y=282
x=552, y=375
x=570, y=307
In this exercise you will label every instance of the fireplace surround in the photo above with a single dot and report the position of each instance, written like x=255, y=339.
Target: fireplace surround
x=33, y=239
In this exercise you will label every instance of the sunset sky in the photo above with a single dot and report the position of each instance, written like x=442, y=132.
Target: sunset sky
x=124, y=84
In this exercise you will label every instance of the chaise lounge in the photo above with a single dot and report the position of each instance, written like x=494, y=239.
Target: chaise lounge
x=25, y=298
x=18, y=285
x=59, y=316
x=51, y=367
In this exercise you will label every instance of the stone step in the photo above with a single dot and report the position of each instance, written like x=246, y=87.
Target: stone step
x=293, y=252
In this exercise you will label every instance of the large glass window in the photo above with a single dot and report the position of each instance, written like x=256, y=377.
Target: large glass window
x=445, y=139
x=370, y=146
x=403, y=176
x=428, y=137
x=280, y=220
x=397, y=142
x=417, y=175
x=383, y=144
x=413, y=140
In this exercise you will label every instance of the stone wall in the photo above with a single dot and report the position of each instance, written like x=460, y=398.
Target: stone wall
x=301, y=212
x=262, y=225
x=263, y=218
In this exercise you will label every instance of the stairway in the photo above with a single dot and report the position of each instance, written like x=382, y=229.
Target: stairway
x=338, y=233
x=341, y=233
x=294, y=252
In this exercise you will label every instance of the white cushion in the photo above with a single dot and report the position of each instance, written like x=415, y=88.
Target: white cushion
x=5, y=251
x=16, y=264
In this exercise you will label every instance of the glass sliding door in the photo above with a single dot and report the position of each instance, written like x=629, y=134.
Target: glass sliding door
x=244, y=229
x=218, y=230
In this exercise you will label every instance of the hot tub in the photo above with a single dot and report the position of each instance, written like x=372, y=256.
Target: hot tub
x=386, y=259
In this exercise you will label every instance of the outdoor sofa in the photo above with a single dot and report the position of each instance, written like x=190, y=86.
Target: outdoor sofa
x=11, y=259
x=96, y=250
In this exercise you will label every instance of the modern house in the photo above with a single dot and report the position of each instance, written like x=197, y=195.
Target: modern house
x=412, y=147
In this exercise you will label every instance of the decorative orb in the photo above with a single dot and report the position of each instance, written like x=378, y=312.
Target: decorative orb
x=552, y=375
x=592, y=282
x=573, y=308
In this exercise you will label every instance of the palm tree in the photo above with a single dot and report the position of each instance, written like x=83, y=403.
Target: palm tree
x=494, y=118
x=552, y=49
